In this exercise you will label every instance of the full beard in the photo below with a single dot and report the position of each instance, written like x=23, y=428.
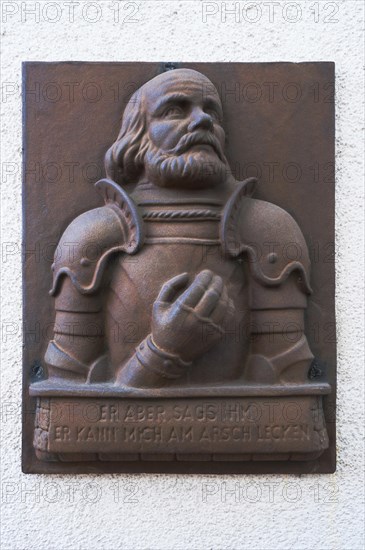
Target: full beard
x=193, y=169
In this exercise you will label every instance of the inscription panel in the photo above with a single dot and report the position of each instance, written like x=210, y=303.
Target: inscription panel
x=236, y=425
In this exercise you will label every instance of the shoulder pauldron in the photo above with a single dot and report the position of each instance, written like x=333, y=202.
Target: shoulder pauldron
x=268, y=236
x=94, y=236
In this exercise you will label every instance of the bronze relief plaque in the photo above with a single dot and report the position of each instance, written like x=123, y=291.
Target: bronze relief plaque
x=179, y=267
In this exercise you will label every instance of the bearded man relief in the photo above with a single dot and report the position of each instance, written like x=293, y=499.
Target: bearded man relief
x=170, y=283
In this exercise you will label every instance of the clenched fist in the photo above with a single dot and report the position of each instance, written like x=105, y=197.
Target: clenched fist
x=189, y=324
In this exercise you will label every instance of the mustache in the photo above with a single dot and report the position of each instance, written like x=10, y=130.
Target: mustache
x=197, y=138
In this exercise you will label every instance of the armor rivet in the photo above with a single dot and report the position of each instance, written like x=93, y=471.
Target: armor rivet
x=84, y=261
x=167, y=364
x=272, y=257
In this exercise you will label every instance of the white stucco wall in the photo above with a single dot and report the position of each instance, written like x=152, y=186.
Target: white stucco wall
x=188, y=512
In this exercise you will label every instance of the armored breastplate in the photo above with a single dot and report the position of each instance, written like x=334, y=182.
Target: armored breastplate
x=144, y=243
x=180, y=236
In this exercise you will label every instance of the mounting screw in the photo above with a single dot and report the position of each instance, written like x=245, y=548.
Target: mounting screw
x=36, y=371
x=168, y=66
x=315, y=371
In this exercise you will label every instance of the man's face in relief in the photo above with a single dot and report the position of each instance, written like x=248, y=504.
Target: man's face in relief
x=184, y=132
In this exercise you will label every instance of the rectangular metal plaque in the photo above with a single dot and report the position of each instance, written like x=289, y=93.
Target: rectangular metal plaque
x=179, y=268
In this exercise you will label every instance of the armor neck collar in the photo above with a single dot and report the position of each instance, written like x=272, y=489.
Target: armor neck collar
x=148, y=195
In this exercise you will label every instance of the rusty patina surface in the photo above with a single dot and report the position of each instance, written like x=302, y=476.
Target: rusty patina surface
x=189, y=321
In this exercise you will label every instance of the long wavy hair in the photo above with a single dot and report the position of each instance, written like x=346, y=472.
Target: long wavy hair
x=124, y=159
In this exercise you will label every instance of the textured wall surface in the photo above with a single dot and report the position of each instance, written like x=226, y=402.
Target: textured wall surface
x=160, y=511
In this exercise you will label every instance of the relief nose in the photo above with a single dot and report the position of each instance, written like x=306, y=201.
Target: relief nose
x=200, y=121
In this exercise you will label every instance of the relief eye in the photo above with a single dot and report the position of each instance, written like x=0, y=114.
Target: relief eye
x=213, y=114
x=173, y=111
